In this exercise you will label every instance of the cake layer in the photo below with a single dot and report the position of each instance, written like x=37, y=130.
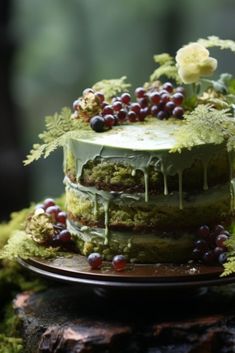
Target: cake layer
x=141, y=248
x=119, y=177
x=124, y=211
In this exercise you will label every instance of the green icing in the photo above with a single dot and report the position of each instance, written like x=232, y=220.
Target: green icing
x=168, y=164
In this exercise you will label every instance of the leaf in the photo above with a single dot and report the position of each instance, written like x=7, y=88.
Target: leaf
x=163, y=59
x=206, y=125
x=167, y=68
x=58, y=129
x=214, y=41
x=111, y=88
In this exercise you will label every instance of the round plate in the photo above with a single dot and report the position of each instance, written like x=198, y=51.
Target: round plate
x=75, y=269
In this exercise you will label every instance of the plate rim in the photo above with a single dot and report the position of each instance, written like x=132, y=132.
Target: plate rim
x=95, y=279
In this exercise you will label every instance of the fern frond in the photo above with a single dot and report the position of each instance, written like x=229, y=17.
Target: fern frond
x=229, y=267
x=111, y=88
x=205, y=125
x=58, y=129
x=214, y=41
x=163, y=59
x=167, y=68
x=35, y=153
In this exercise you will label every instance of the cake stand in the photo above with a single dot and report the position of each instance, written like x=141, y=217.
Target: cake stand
x=156, y=279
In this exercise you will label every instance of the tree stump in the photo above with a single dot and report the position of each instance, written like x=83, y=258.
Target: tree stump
x=73, y=319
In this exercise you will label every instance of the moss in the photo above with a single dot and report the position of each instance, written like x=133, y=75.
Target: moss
x=113, y=176
x=16, y=222
x=21, y=245
x=11, y=344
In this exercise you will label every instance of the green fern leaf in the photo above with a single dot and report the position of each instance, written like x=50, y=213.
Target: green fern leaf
x=166, y=68
x=213, y=41
x=58, y=128
x=111, y=88
x=205, y=125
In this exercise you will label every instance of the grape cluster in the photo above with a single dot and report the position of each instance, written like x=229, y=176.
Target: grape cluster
x=210, y=247
x=61, y=236
x=161, y=102
x=95, y=261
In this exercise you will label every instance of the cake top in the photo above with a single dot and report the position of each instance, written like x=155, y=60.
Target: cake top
x=149, y=136
x=178, y=108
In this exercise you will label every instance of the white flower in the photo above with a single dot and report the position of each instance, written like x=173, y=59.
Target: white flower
x=194, y=61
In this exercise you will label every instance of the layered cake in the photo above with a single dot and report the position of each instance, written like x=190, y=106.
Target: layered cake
x=126, y=192
x=143, y=174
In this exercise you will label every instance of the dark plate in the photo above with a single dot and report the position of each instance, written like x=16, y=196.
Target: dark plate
x=75, y=269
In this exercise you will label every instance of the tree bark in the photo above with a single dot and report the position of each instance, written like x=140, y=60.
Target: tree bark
x=75, y=320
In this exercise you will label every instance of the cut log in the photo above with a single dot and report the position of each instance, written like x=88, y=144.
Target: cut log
x=75, y=320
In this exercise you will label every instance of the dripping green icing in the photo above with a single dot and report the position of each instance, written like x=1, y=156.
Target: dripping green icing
x=163, y=161
x=140, y=146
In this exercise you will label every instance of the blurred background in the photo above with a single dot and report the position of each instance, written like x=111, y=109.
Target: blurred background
x=51, y=50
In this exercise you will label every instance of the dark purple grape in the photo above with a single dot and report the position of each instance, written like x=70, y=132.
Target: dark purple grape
x=132, y=117
x=95, y=260
x=163, y=91
x=143, y=113
x=154, y=110
x=226, y=232
x=178, y=98
x=155, y=98
x=143, y=102
x=218, y=229
x=119, y=262
x=117, y=106
x=180, y=89
x=178, y=112
x=97, y=123
x=162, y=115
x=126, y=98
x=107, y=110
x=201, y=244
x=48, y=202
x=61, y=217
x=140, y=92
x=122, y=114
x=165, y=98
x=218, y=251
x=223, y=258
x=220, y=241
x=109, y=120
x=53, y=211
x=100, y=96
x=170, y=106
x=76, y=104
x=204, y=231
x=135, y=107
x=209, y=257
x=64, y=237
x=168, y=87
